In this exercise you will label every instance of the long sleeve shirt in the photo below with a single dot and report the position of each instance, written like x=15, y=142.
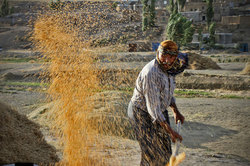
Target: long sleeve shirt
x=154, y=91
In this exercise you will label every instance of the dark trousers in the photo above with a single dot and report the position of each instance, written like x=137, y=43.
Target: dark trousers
x=154, y=141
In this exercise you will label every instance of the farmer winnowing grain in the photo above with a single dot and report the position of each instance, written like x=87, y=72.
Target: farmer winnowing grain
x=153, y=94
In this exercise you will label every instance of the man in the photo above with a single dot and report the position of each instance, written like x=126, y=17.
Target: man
x=152, y=96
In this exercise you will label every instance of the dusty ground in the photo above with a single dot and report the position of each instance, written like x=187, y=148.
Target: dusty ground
x=216, y=131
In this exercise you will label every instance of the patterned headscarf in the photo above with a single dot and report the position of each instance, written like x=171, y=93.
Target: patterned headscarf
x=181, y=61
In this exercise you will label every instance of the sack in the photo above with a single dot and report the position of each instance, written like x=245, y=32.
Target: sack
x=130, y=111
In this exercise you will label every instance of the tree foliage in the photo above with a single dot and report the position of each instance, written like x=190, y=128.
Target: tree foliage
x=152, y=14
x=210, y=12
x=148, y=14
x=4, y=10
x=212, y=34
x=188, y=33
x=145, y=13
x=179, y=29
x=200, y=38
x=175, y=6
x=181, y=4
x=144, y=23
x=171, y=6
x=200, y=34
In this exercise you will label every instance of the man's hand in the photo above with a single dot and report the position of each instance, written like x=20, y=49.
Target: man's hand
x=178, y=116
x=174, y=135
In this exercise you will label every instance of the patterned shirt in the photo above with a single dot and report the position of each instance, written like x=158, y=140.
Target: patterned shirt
x=154, y=91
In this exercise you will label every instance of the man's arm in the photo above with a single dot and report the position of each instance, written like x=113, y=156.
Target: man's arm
x=177, y=114
x=174, y=135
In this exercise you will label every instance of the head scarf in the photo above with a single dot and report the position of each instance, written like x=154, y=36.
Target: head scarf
x=181, y=61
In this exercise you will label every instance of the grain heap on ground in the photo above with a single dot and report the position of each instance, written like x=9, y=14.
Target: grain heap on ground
x=198, y=62
x=246, y=70
x=21, y=140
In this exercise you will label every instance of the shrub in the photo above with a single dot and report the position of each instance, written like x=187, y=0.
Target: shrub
x=56, y=5
x=5, y=9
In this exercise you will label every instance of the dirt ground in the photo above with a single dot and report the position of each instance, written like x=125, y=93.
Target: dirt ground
x=216, y=131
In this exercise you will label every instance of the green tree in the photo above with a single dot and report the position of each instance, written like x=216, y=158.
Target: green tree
x=179, y=29
x=175, y=6
x=4, y=10
x=212, y=34
x=200, y=38
x=148, y=14
x=188, y=32
x=144, y=23
x=210, y=12
x=170, y=7
x=181, y=4
x=152, y=14
x=145, y=13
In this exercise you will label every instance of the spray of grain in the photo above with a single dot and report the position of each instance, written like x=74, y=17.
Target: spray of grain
x=66, y=39
x=73, y=82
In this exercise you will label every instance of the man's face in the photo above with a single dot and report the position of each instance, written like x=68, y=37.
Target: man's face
x=167, y=60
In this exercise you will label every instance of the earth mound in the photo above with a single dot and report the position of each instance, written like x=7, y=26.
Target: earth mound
x=21, y=140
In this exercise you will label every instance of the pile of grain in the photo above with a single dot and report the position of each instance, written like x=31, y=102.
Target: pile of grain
x=198, y=62
x=21, y=140
x=246, y=70
x=109, y=116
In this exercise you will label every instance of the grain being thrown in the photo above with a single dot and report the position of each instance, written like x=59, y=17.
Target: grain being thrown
x=73, y=82
x=64, y=39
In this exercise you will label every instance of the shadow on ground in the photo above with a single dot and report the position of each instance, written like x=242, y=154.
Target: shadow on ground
x=195, y=134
